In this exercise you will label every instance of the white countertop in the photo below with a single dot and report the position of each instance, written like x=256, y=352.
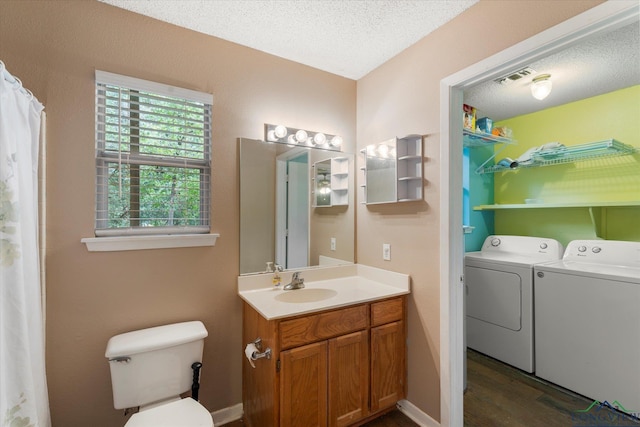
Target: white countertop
x=328, y=288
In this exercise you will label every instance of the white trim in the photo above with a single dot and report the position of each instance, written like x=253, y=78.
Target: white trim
x=600, y=19
x=227, y=415
x=416, y=415
x=133, y=243
x=154, y=87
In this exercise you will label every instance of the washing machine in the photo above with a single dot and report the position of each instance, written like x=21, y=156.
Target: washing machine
x=499, y=296
x=587, y=311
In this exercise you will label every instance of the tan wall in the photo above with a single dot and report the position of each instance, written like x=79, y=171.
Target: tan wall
x=402, y=97
x=54, y=47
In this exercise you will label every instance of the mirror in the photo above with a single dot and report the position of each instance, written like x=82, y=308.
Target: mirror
x=393, y=170
x=381, y=172
x=331, y=182
x=283, y=215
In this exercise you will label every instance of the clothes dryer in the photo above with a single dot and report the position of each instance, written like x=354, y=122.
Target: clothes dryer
x=587, y=321
x=499, y=296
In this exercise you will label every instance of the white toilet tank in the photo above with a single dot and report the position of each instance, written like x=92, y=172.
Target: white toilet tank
x=154, y=364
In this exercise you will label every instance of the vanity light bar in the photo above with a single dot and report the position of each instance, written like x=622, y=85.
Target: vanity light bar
x=305, y=138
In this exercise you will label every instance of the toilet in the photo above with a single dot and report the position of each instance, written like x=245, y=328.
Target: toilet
x=151, y=368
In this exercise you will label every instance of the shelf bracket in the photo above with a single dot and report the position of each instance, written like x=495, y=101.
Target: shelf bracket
x=597, y=219
x=480, y=168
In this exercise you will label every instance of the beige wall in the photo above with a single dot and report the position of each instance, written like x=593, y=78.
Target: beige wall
x=54, y=47
x=402, y=97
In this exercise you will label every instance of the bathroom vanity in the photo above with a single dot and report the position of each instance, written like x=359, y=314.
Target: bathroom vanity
x=337, y=348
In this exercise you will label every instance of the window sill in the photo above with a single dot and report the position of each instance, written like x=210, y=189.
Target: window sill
x=135, y=243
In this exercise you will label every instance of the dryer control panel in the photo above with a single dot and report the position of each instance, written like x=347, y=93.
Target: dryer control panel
x=539, y=247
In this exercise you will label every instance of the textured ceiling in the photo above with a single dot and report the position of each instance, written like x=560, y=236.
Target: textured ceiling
x=596, y=66
x=344, y=37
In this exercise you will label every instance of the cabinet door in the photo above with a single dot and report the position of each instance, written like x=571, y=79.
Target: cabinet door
x=348, y=378
x=303, y=386
x=387, y=365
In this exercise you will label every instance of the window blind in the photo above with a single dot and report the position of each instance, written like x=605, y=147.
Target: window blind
x=153, y=157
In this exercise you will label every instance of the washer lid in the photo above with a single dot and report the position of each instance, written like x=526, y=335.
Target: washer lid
x=180, y=413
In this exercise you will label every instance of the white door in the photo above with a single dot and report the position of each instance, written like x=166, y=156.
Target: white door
x=298, y=212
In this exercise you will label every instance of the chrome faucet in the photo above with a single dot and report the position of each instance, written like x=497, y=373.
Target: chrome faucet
x=297, y=282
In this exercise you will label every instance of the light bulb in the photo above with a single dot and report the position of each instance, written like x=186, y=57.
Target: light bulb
x=319, y=138
x=336, y=141
x=371, y=150
x=541, y=86
x=271, y=136
x=280, y=131
x=301, y=136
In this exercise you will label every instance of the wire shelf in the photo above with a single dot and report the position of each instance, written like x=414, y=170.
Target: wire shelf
x=481, y=139
x=576, y=153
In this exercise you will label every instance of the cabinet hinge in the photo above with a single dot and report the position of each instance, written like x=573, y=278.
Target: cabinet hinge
x=278, y=365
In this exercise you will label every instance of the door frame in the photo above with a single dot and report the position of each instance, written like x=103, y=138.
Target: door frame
x=600, y=19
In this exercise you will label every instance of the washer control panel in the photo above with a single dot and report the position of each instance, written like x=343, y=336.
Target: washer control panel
x=604, y=252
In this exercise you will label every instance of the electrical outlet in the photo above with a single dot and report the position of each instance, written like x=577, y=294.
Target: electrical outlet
x=386, y=251
x=333, y=243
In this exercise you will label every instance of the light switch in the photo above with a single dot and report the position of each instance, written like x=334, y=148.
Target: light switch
x=386, y=251
x=333, y=243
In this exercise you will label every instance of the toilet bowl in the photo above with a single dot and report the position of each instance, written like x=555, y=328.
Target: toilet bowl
x=151, y=368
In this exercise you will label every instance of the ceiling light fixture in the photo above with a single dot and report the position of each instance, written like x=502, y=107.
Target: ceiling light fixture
x=291, y=136
x=541, y=86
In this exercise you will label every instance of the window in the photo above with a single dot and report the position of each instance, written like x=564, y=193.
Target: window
x=153, y=158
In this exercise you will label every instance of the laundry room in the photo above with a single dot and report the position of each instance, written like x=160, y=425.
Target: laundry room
x=583, y=182
x=551, y=219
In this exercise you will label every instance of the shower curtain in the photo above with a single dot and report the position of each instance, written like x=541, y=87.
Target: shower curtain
x=23, y=388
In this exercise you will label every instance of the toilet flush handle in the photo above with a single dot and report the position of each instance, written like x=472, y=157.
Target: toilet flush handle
x=120, y=359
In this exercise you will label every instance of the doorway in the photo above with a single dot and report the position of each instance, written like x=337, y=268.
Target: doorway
x=598, y=20
x=292, y=209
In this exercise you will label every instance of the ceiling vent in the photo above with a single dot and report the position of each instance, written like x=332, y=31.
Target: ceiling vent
x=515, y=76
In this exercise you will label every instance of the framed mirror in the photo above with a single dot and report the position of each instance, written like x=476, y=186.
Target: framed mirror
x=281, y=217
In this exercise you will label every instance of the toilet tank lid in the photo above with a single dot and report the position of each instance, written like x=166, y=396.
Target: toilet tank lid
x=155, y=338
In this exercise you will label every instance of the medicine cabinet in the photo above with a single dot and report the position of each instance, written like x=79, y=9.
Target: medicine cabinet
x=331, y=182
x=392, y=171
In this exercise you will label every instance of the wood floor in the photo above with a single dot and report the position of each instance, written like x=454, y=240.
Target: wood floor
x=501, y=396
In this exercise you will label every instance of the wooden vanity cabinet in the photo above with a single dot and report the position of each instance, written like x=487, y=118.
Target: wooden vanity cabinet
x=333, y=368
x=387, y=353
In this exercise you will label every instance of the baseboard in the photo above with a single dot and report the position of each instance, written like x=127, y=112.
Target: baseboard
x=226, y=415
x=235, y=412
x=416, y=415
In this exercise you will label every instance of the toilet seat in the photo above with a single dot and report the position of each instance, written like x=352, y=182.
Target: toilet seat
x=179, y=413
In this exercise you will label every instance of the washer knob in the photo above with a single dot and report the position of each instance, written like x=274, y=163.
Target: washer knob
x=582, y=249
x=495, y=241
x=543, y=246
x=596, y=249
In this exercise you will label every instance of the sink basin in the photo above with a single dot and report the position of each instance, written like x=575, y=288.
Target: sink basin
x=306, y=295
